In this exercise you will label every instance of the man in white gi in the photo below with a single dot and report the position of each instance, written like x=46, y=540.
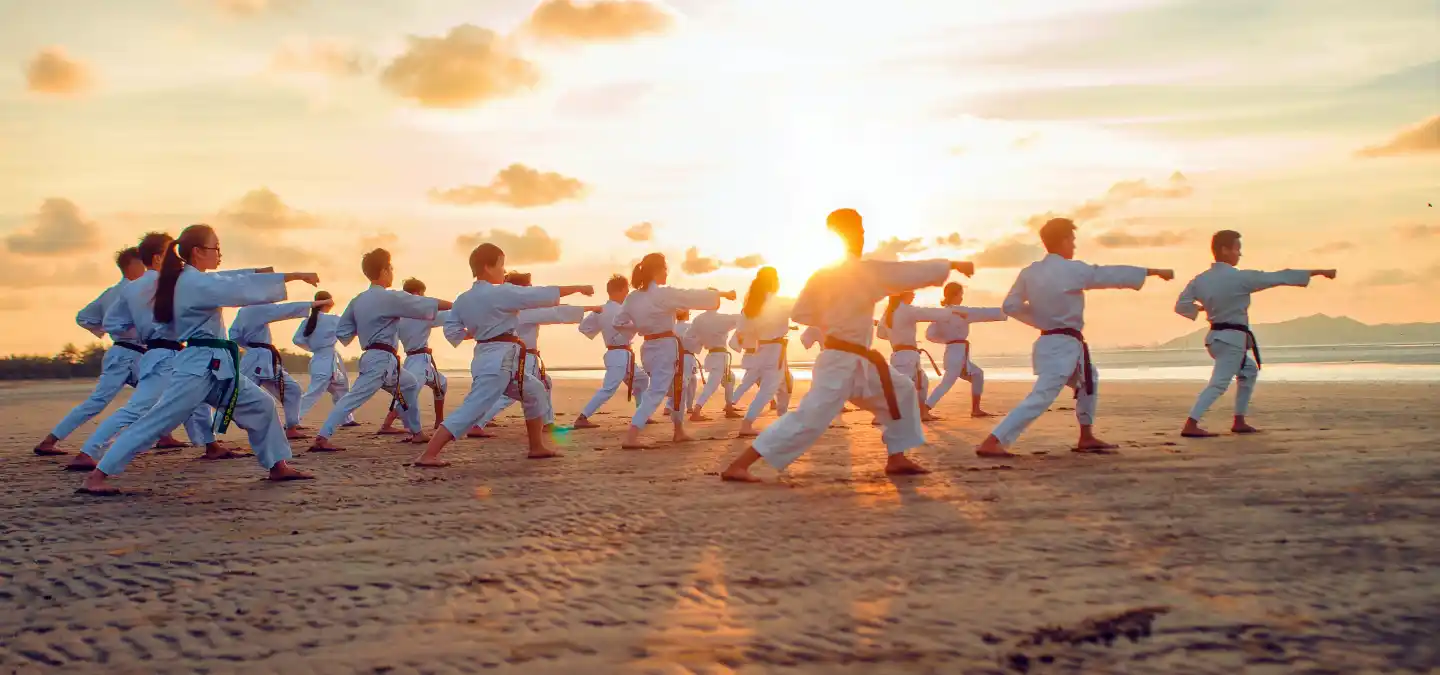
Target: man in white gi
x=262, y=363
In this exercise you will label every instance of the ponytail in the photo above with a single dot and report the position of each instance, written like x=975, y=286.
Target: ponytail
x=645, y=271
x=890, y=310
x=315, y=314
x=175, y=256
x=766, y=282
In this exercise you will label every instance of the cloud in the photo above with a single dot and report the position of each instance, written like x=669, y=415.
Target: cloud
x=1122, y=239
x=748, y=262
x=599, y=21
x=952, y=240
x=247, y=9
x=1417, y=231
x=518, y=186
x=533, y=247
x=470, y=65
x=640, y=232
x=1402, y=277
x=1421, y=138
x=324, y=56
x=894, y=247
x=23, y=273
x=385, y=240
x=1333, y=247
x=244, y=249
x=60, y=229
x=53, y=71
x=695, y=264
x=1008, y=253
x=1119, y=195
x=263, y=210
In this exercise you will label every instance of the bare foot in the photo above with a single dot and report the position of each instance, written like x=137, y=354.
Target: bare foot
x=1094, y=446
x=96, y=484
x=697, y=417
x=734, y=475
x=430, y=464
x=1243, y=428
x=900, y=465
x=323, y=444
x=282, y=472
x=1192, y=430
x=351, y=423
x=295, y=435
x=542, y=453
x=221, y=453
x=681, y=437
x=990, y=448
x=980, y=413
x=169, y=442
x=479, y=432
x=927, y=417
x=387, y=431
x=47, y=448
x=81, y=462
x=733, y=414
x=418, y=439
x=584, y=423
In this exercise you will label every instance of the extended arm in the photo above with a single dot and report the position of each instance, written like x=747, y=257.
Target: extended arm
x=884, y=278
x=559, y=314
x=1259, y=281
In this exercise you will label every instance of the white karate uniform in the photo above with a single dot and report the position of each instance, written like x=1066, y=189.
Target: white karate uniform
x=374, y=316
x=617, y=361
x=528, y=330
x=709, y=332
x=133, y=311
x=746, y=345
x=651, y=311
x=1223, y=293
x=415, y=338
x=840, y=302
x=902, y=332
x=119, y=367
x=485, y=312
x=251, y=326
x=949, y=331
x=1049, y=294
x=204, y=375
x=772, y=323
x=327, y=369
x=691, y=370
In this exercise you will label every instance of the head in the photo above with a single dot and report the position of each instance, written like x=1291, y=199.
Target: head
x=129, y=263
x=848, y=224
x=487, y=263
x=152, y=249
x=954, y=294
x=517, y=278
x=766, y=282
x=413, y=286
x=197, y=247
x=1058, y=235
x=652, y=269
x=1226, y=246
x=618, y=287
x=894, y=302
x=377, y=268
x=315, y=313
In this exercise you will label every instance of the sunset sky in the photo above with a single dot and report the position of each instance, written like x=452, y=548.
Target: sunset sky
x=582, y=135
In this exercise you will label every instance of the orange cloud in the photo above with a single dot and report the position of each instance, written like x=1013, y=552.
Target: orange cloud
x=952, y=240
x=1009, y=252
x=518, y=186
x=1419, y=139
x=601, y=21
x=1119, y=195
x=470, y=65
x=324, y=56
x=262, y=209
x=1123, y=239
x=246, y=9
x=894, y=247
x=53, y=71
x=22, y=273
x=60, y=229
x=749, y=262
x=534, y=246
x=640, y=232
x=1334, y=247
x=1417, y=231
x=694, y=263
x=1402, y=277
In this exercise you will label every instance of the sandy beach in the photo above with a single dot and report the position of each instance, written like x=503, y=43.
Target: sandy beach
x=1312, y=548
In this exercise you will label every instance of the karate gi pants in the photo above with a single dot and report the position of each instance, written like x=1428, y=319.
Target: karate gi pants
x=423, y=368
x=658, y=357
x=718, y=374
x=324, y=380
x=1058, y=361
x=772, y=383
x=119, y=367
x=908, y=364
x=378, y=370
x=748, y=380
x=155, y=366
x=493, y=378
x=617, y=361
x=532, y=370
x=1231, y=362
x=293, y=395
x=956, y=359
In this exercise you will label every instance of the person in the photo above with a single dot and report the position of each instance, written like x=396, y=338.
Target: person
x=746, y=345
x=710, y=332
x=620, y=366
x=650, y=310
x=953, y=331
x=374, y=316
x=690, y=369
x=132, y=312
x=1223, y=293
x=261, y=362
x=840, y=302
x=419, y=359
x=900, y=325
x=1050, y=295
x=488, y=313
x=189, y=298
x=765, y=317
x=527, y=329
x=118, y=369
x=316, y=334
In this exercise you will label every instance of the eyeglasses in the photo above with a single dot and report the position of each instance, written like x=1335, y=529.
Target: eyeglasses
x=209, y=248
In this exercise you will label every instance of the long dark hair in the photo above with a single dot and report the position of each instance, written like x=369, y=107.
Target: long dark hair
x=767, y=281
x=645, y=272
x=890, y=309
x=315, y=313
x=176, y=255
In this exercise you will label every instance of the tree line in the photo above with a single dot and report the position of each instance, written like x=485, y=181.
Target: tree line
x=77, y=362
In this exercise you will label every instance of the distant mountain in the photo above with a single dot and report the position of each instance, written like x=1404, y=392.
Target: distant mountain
x=1323, y=330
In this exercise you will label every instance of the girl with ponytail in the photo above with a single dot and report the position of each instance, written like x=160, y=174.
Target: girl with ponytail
x=317, y=335
x=901, y=327
x=766, y=320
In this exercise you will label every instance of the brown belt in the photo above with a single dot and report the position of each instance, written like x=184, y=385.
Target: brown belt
x=629, y=369
x=918, y=368
x=520, y=367
x=434, y=382
x=1085, y=351
x=886, y=384
x=544, y=377
x=396, y=398
x=784, y=362
x=965, y=366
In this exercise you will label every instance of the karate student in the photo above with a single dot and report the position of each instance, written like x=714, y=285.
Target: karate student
x=488, y=313
x=1050, y=295
x=620, y=365
x=747, y=346
x=527, y=328
x=133, y=311
x=188, y=297
x=119, y=368
x=900, y=326
x=419, y=360
x=651, y=309
x=262, y=364
x=766, y=317
x=840, y=302
x=691, y=364
x=316, y=335
x=374, y=316
x=1223, y=293
x=710, y=332
x=953, y=331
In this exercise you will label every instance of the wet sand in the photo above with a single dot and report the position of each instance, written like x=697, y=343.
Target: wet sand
x=1312, y=548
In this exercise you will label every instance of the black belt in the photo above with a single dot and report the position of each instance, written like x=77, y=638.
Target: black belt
x=784, y=362
x=886, y=384
x=629, y=369
x=396, y=397
x=918, y=367
x=164, y=344
x=677, y=386
x=964, y=367
x=138, y=349
x=434, y=382
x=519, y=367
x=277, y=368
x=417, y=352
x=1250, y=342
x=1085, y=350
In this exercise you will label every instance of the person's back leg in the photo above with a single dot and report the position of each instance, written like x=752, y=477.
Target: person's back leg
x=182, y=393
x=1086, y=404
x=485, y=389
x=366, y=386
x=116, y=370
x=615, y=368
x=255, y=413
x=976, y=375
x=783, y=442
x=1047, y=388
x=1228, y=359
x=1245, y=389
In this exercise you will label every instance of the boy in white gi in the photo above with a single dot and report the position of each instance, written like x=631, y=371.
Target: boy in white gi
x=261, y=362
x=620, y=365
x=710, y=332
x=1223, y=293
x=419, y=359
x=901, y=325
x=1050, y=295
x=316, y=335
x=840, y=301
x=953, y=331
